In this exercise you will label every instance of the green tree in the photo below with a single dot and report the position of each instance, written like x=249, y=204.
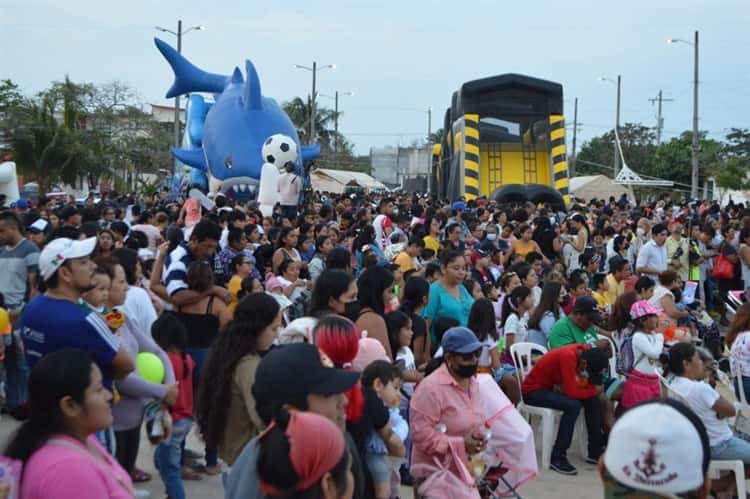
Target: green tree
x=673, y=159
x=738, y=145
x=730, y=174
x=637, y=142
x=299, y=111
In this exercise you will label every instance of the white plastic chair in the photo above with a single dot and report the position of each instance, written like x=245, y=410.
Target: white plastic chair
x=716, y=465
x=521, y=354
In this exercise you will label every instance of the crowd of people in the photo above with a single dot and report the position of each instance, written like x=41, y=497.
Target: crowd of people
x=360, y=343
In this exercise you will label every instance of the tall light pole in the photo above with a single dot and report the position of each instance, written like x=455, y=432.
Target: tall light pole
x=314, y=70
x=336, y=122
x=695, y=148
x=178, y=34
x=617, y=123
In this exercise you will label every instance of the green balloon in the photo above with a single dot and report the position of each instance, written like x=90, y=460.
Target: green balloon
x=150, y=367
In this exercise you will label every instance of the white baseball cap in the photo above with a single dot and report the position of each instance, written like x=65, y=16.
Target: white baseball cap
x=58, y=250
x=659, y=447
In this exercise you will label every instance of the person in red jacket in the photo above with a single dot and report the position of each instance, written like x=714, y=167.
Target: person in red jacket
x=567, y=379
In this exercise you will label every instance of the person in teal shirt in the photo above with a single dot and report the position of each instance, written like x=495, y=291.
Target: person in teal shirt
x=448, y=296
x=578, y=327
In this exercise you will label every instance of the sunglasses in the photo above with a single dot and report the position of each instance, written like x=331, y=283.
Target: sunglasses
x=469, y=356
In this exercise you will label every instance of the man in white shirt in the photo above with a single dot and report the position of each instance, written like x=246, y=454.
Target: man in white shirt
x=652, y=259
x=289, y=186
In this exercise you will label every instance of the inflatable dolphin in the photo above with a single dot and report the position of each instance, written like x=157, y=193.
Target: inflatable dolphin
x=224, y=139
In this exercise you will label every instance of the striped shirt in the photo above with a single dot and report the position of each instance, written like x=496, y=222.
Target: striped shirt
x=175, y=269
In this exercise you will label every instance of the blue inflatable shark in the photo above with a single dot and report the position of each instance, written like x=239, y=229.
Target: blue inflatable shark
x=223, y=140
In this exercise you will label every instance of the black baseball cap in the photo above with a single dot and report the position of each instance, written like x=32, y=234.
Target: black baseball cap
x=288, y=373
x=597, y=362
x=587, y=305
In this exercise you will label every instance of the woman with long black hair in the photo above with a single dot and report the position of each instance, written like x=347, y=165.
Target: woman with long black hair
x=226, y=408
x=60, y=455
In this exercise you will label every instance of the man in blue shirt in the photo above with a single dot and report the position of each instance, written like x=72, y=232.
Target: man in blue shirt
x=54, y=320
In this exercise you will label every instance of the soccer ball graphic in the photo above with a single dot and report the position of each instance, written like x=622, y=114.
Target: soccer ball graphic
x=279, y=149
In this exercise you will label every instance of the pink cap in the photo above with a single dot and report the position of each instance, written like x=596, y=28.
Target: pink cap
x=369, y=351
x=272, y=283
x=642, y=309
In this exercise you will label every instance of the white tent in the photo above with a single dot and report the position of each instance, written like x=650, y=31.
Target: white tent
x=334, y=181
x=597, y=186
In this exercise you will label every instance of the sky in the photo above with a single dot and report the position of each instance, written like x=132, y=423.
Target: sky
x=401, y=58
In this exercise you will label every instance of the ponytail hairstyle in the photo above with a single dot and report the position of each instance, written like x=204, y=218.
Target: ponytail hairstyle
x=65, y=373
x=510, y=305
x=674, y=359
x=170, y=333
x=338, y=338
x=415, y=290
x=280, y=466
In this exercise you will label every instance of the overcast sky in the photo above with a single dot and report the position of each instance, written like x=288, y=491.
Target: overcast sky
x=402, y=57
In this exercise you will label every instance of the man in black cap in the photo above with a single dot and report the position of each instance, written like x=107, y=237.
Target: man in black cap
x=567, y=379
x=296, y=376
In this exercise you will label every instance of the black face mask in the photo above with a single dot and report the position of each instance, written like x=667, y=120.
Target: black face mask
x=466, y=371
x=351, y=310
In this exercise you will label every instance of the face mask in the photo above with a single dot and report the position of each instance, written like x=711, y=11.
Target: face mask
x=466, y=371
x=491, y=237
x=394, y=211
x=640, y=232
x=351, y=310
x=552, y=220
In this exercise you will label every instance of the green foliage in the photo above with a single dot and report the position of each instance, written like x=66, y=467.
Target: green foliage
x=75, y=131
x=636, y=140
x=731, y=174
x=299, y=111
x=738, y=145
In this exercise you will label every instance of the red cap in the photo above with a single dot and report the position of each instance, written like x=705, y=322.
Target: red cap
x=316, y=446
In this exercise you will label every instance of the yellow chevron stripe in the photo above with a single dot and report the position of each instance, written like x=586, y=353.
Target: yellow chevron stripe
x=555, y=118
x=471, y=182
x=472, y=149
x=557, y=134
x=556, y=151
x=472, y=132
x=562, y=166
x=457, y=140
x=473, y=118
x=563, y=182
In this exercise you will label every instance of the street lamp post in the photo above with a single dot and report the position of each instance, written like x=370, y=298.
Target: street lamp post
x=314, y=70
x=178, y=34
x=617, y=123
x=695, y=148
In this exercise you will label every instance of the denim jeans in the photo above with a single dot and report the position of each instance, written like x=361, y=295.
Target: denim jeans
x=16, y=373
x=167, y=458
x=571, y=408
x=733, y=448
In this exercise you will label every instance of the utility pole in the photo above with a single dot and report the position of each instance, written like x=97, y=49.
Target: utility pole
x=696, y=148
x=312, y=104
x=336, y=130
x=177, y=98
x=575, y=130
x=429, y=124
x=617, y=131
x=659, y=119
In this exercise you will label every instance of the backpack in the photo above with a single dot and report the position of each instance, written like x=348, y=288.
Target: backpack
x=625, y=356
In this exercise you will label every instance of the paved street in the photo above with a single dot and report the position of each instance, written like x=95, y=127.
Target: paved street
x=547, y=485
